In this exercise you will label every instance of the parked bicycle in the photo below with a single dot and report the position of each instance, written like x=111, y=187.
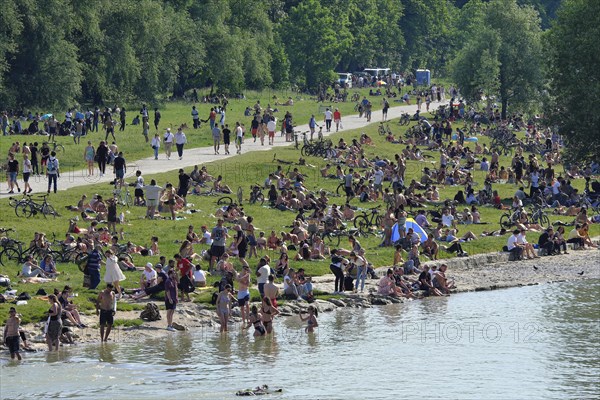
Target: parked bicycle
x=28, y=207
x=368, y=220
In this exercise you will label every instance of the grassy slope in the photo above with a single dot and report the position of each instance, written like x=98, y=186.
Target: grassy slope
x=239, y=171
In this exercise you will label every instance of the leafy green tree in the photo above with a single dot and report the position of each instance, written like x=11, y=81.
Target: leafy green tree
x=574, y=76
x=517, y=62
x=10, y=21
x=45, y=70
x=311, y=43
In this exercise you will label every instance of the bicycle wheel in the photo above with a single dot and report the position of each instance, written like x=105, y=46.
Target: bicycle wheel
x=47, y=209
x=59, y=149
x=260, y=198
x=362, y=224
x=305, y=150
x=505, y=221
x=379, y=221
x=127, y=199
x=24, y=209
x=240, y=195
x=224, y=201
x=10, y=256
x=125, y=256
x=544, y=221
x=56, y=255
x=332, y=240
x=341, y=189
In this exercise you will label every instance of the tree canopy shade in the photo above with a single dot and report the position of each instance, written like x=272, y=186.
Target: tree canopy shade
x=506, y=43
x=574, y=74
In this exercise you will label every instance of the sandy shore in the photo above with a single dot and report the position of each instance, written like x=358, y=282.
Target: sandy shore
x=471, y=274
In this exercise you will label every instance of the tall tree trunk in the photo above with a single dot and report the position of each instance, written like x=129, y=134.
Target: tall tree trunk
x=504, y=107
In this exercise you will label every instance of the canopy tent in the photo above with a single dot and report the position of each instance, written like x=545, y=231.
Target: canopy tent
x=410, y=223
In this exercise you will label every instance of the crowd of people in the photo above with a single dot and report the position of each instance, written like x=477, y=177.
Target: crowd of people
x=437, y=225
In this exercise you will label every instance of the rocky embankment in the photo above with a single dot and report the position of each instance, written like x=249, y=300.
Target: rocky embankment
x=475, y=273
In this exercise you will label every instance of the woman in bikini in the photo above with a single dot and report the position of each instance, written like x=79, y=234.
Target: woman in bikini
x=311, y=319
x=268, y=312
x=223, y=305
x=255, y=319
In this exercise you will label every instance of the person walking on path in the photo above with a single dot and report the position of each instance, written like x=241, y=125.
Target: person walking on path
x=239, y=137
x=146, y=130
x=312, y=125
x=105, y=308
x=13, y=172
x=337, y=118
x=180, y=141
x=88, y=155
x=27, y=169
x=328, y=119
x=216, y=134
x=52, y=171
x=155, y=145
x=168, y=141
x=385, y=108
x=102, y=157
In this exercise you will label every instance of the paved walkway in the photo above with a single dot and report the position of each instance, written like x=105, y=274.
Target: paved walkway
x=191, y=157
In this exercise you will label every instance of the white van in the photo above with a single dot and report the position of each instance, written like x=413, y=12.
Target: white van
x=345, y=78
x=378, y=72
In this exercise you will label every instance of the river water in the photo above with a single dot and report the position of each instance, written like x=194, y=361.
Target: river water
x=521, y=343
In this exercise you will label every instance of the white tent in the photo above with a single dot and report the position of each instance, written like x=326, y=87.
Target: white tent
x=410, y=223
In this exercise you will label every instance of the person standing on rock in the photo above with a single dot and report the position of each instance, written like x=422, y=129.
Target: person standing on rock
x=180, y=141
x=168, y=141
x=171, y=297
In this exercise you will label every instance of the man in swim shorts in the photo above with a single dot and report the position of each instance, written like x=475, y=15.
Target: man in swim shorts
x=105, y=307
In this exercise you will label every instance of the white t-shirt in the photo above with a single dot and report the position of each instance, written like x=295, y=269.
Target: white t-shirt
x=447, y=219
x=521, y=239
x=239, y=132
x=152, y=192
x=378, y=177
x=26, y=166
x=263, y=274
x=535, y=177
x=168, y=137
x=286, y=282
x=194, y=114
x=139, y=184
x=199, y=276
x=207, y=237
x=150, y=275
x=328, y=115
x=556, y=187
x=511, y=244
x=271, y=126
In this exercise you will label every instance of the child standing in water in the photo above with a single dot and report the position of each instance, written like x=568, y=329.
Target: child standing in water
x=311, y=319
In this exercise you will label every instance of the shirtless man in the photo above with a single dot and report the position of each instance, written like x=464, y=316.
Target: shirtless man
x=243, y=296
x=272, y=291
x=389, y=220
x=105, y=308
x=11, y=333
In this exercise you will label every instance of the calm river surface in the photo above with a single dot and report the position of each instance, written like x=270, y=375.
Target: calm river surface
x=522, y=343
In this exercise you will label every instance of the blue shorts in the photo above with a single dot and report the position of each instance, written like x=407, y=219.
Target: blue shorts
x=12, y=176
x=120, y=173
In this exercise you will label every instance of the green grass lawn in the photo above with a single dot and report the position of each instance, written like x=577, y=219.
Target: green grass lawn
x=239, y=171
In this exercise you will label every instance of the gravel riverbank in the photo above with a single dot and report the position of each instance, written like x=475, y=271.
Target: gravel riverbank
x=475, y=273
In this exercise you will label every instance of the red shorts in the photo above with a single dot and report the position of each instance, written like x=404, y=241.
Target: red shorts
x=274, y=302
x=254, y=131
x=271, y=134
